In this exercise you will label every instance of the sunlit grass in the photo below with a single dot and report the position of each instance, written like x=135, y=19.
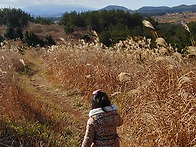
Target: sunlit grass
x=156, y=98
x=28, y=118
x=155, y=93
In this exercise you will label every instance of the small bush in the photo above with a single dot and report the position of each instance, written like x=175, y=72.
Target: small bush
x=69, y=29
x=1, y=38
x=10, y=33
x=49, y=40
x=31, y=39
x=43, y=21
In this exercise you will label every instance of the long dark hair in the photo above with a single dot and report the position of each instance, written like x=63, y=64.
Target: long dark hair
x=100, y=100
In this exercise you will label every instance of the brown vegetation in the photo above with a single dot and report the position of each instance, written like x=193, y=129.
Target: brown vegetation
x=32, y=113
x=155, y=93
x=176, y=18
x=156, y=99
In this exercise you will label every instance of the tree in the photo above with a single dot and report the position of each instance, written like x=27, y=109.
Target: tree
x=43, y=21
x=69, y=28
x=49, y=40
x=14, y=18
x=18, y=33
x=176, y=35
x=31, y=39
x=10, y=33
x=192, y=27
x=13, y=33
x=105, y=38
x=118, y=32
x=65, y=19
x=114, y=34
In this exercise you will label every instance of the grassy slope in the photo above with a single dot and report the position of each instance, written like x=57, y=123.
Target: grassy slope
x=38, y=113
x=42, y=103
x=155, y=92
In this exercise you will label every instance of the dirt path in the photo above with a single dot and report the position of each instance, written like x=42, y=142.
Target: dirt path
x=66, y=111
x=58, y=97
x=71, y=104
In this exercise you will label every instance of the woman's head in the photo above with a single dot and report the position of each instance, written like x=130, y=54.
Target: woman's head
x=100, y=99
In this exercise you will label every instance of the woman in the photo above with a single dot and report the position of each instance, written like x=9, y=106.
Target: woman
x=102, y=123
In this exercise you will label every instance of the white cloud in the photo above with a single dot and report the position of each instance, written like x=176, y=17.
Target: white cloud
x=24, y=3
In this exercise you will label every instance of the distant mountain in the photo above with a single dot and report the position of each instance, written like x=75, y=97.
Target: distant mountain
x=182, y=8
x=54, y=10
x=163, y=9
x=149, y=10
x=153, y=9
x=59, y=10
x=115, y=7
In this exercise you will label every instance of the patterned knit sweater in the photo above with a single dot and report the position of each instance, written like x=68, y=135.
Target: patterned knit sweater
x=101, y=128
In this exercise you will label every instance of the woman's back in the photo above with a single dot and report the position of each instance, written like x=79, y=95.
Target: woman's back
x=104, y=126
x=102, y=123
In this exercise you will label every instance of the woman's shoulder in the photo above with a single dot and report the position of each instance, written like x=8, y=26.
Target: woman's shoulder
x=102, y=115
x=90, y=120
x=98, y=111
x=105, y=119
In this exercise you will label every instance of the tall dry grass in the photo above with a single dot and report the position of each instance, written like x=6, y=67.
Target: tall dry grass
x=155, y=92
x=9, y=90
x=161, y=111
x=28, y=118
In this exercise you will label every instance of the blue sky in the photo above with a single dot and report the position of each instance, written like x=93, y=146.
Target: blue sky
x=131, y=4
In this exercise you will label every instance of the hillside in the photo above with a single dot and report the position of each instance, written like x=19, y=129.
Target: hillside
x=150, y=10
x=45, y=91
x=179, y=9
x=176, y=18
x=183, y=8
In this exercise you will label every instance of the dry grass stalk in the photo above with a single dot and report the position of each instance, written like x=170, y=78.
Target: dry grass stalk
x=161, y=41
x=147, y=24
x=191, y=51
x=191, y=36
x=157, y=100
x=152, y=110
x=185, y=26
x=123, y=76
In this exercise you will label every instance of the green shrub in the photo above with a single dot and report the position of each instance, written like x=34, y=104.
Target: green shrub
x=1, y=38
x=10, y=33
x=13, y=33
x=43, y=21
x=69, y=28
x=49, y=40
x=31, y=39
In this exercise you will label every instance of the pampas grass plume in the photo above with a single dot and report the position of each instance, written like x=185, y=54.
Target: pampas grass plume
x=123, y=76
x=185, y=26
x=161, y=41
x=147, y=24
x=22, y=61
